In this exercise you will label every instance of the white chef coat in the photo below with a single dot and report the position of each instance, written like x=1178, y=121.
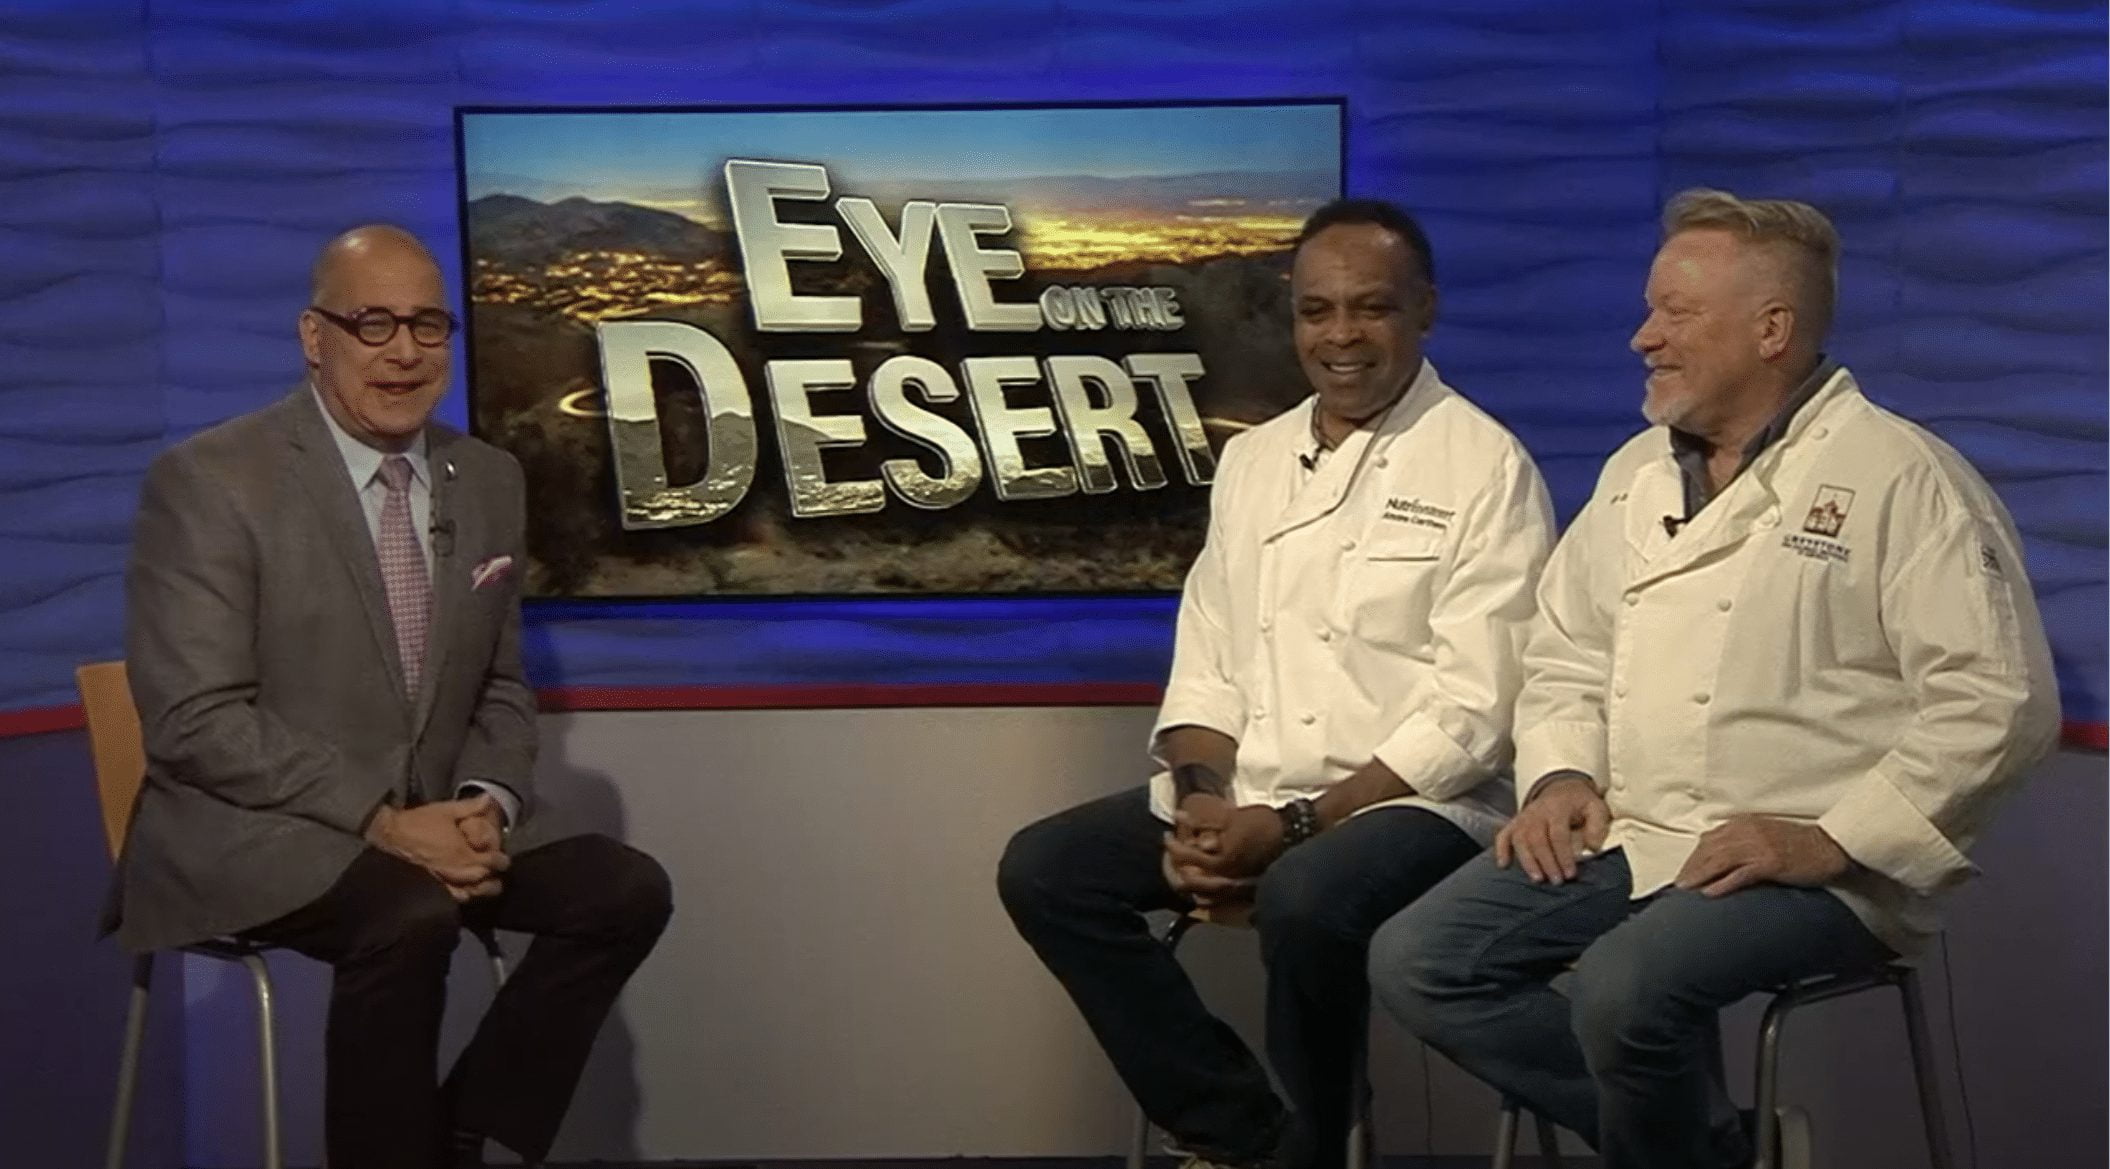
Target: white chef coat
x=1374, y=605
x=1843, y=637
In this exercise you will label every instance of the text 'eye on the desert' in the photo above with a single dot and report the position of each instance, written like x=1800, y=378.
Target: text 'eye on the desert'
x=1089, y=402
x=1087, y=422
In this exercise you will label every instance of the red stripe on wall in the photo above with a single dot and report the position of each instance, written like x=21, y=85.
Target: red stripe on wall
x=39, y=720
x=2094, y=736
x=852, y=695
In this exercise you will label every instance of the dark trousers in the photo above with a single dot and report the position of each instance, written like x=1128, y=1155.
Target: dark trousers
x=388, y=929
x=1077, y=885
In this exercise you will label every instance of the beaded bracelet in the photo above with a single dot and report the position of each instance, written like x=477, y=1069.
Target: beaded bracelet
x=1300, y=822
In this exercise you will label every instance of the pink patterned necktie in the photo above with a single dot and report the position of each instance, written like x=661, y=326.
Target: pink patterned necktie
x=403, y=572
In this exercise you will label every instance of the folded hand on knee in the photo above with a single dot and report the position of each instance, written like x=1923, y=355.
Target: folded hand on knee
x=1563, y=820
x=1217, y=854
x=1752, y=850
x=457, y=841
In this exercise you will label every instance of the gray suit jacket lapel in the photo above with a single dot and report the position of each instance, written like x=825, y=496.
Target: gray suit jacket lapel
x=320, y=471
x=448, y=577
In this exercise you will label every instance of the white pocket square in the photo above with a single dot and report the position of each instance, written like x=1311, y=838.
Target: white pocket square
x=490, y=572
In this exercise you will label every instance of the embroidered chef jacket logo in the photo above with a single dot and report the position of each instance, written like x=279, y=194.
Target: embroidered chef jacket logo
x=1828, y=511
x=1811, y=548
x=1419, y=514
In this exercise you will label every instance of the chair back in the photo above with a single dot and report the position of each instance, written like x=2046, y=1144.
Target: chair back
x=117, y=742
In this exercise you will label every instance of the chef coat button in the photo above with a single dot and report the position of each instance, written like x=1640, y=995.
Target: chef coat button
x=1260, y=714
x=1769, y=519
x=1382, y=461
x=1725, y=604
x=1619, y=691
x=1325, y=634
x=1348, y=545
x=1703, y=698
x=1633, y=599
x=1267, y=625
x=1822, y=432
x=1308, y=718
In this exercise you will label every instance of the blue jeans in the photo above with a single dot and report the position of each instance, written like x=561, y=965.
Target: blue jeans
x=1076, y=885
x=1625, y=1057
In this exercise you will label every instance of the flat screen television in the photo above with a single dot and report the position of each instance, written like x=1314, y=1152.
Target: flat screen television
x=782, y=352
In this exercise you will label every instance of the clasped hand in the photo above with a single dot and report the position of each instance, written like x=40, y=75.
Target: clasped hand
x=458, y=841
x=1215, y=852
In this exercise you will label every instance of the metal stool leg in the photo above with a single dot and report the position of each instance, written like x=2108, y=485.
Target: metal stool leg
x=128, y=1062
x=1767, y=1091
x=497, y=956
x=1506, y=1135
x=1139, y=1146
x=1549, y=1141
x=267, y=1057
x=1916, y=1033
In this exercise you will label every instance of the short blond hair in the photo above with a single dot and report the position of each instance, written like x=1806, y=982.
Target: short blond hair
x=1796, y=232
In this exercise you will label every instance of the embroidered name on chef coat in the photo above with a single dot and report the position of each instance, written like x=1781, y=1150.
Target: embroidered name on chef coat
x=1419, y=513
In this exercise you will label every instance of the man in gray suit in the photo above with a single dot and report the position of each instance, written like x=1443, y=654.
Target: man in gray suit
x=324, y=628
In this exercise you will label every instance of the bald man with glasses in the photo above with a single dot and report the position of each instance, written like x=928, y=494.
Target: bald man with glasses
x=323, y=639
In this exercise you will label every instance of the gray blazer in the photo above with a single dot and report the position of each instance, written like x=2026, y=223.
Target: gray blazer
x=265, y=668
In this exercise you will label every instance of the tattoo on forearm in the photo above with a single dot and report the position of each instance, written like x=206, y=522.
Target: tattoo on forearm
x=1189, y=778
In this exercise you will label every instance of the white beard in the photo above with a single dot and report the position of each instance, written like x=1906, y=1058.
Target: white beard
x=1664, y=410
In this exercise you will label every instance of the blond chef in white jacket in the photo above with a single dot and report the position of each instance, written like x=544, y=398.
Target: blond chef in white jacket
x=1335, y=734
x=1786, y=661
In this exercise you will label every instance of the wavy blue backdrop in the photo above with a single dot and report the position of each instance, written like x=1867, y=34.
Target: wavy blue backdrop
x=168, y=170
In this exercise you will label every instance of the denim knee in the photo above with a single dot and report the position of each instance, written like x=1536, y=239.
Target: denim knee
x=1620, y=1013
x=1417, y=967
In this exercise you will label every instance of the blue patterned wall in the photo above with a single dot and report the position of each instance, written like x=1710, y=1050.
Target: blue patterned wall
x=167, y=171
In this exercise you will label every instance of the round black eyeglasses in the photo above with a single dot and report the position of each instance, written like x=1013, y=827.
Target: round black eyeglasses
x=430, y=327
